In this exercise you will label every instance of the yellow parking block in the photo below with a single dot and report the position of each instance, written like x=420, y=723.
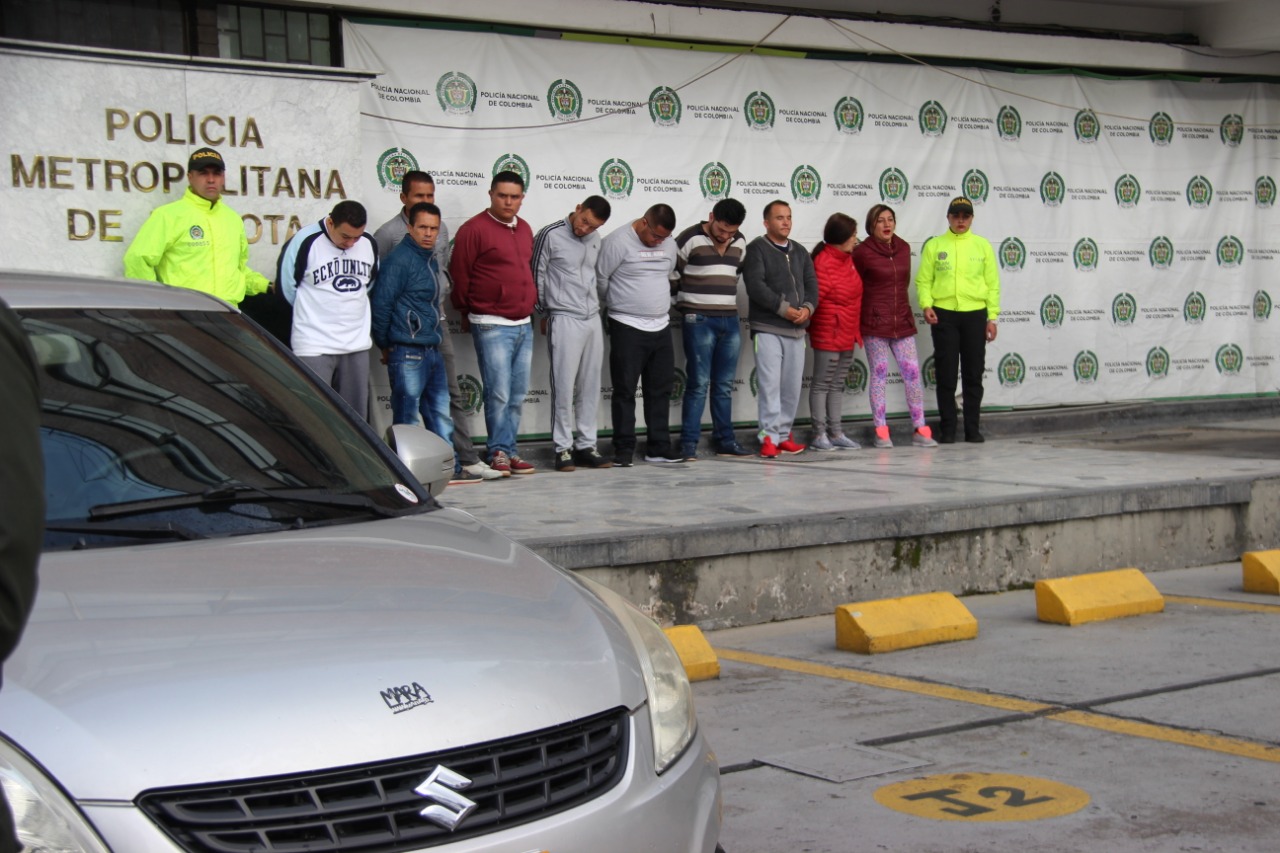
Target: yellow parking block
x=700, y=661
x=1095, y=597
x=889, y=624
x=1261, y=571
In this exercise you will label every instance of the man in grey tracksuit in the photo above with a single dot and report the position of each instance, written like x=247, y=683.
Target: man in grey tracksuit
x=564, y=270
x=783, y=292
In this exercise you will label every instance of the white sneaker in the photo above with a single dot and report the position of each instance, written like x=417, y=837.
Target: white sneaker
x=483, y=471
x=840, y=441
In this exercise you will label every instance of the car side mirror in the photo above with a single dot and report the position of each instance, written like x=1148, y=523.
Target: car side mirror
x=427, y=456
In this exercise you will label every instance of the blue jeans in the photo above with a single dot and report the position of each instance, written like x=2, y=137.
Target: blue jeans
x=711, y=346
x=420, y=389
x=504, y=354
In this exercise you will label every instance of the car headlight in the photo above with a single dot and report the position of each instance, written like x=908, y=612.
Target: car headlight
x=46, y=819
x=671, y=712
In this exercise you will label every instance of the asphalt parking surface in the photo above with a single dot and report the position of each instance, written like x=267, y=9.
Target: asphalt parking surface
x=1149, y=733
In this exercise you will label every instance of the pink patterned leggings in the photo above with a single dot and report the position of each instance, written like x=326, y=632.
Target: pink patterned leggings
x=904, y=352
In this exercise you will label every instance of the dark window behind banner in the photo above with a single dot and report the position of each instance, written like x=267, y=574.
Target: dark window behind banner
x=183, y=27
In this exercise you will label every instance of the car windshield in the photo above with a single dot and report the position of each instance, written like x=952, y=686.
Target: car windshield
x=163, y=425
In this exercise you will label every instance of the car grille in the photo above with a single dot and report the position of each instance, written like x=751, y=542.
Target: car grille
x=373, y=808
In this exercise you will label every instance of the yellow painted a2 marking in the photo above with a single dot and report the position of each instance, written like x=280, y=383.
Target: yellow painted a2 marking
x=983, y=797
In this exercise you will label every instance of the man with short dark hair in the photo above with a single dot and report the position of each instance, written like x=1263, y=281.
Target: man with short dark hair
x=325, y=272
x=564, y=270
x=706, y=288
x=633, y=273
x=419, y=188
x=408, y=327
x=494, y=291
x=197, y=242
x=783, y=291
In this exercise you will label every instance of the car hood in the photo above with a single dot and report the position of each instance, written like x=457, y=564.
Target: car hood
x=184, y=663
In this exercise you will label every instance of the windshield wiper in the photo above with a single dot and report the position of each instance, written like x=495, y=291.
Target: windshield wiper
x=237, y=493
x=166, y=530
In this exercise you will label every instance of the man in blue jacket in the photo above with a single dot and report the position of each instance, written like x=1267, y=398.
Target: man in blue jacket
x=407, y=327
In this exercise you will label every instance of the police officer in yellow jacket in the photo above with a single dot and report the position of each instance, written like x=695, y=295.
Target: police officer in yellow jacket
x=958, y=285
x=198, y=241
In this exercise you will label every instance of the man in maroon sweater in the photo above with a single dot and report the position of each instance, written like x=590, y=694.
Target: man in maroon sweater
x=493, y=289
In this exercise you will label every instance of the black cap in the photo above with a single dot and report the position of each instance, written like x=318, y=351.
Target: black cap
x=960, y=204
x=205, y=158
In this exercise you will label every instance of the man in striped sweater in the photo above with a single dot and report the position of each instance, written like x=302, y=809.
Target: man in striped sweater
x=705, y=284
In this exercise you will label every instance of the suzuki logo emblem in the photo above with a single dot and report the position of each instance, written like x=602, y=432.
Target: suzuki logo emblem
x=450, y=808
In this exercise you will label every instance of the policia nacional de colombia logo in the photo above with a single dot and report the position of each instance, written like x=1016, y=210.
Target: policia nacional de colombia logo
x=1262, y=306
x=1160, y=253
x=1085, y=255
x=616, y=178
x=1085, y=367
x=976, y=186
x=1087, y=127
x=1124, y=309
x=759, y=111
x=856, y=379
x=1052, y=311
x=1160, y=129
x=1229, y=359
x=849, y=115
x=1009, y=124
x=1194, y=308
x=1230, y=252
x=894, y=185
x=1264, y=192
x=1231, y=130
x=929, y=373
x=1157, y=363
x=1053, y=189
x=1128, y=191
x=1012, y=254
x=665, y=107
x=1012, y=370
x=715, y=181
x=1199, y=192
x=472, y=393
x=393, y=165
x=456, y=93
x=806, y=184
x=512, y=163
x=933, y=119
x=564, y=100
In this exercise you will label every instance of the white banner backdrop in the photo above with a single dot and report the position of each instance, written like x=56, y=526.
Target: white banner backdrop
x=1135, y=220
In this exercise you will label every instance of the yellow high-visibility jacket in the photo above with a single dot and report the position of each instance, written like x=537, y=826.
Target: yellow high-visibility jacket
x=959, y=272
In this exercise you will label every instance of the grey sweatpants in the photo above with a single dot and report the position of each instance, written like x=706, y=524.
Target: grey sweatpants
x=826, y=390
x=779, y=379
x=347, y=373
x=576, y=348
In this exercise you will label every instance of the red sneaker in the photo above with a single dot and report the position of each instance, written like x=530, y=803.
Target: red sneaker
x=501, y=463
x=767, y=448
x=519, y=466
x=791, y=447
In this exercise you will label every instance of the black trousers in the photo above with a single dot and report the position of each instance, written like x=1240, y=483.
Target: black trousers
x=959, y=349
x=648, y=358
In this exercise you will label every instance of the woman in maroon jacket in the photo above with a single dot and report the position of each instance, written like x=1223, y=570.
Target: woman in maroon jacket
x=888, y=326
x=833, y=331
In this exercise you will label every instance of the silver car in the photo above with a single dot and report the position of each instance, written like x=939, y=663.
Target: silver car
x=257, y=630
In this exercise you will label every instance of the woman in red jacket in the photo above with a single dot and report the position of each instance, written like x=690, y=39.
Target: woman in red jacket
x=888, y=326
x=833, y=331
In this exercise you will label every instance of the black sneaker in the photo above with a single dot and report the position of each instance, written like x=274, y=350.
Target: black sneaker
x=732, y=448
x=564, y=460
x=622, y=460
x=667, y=458
x=591, y=458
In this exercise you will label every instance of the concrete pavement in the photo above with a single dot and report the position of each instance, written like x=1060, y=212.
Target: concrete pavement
x=724, y=542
